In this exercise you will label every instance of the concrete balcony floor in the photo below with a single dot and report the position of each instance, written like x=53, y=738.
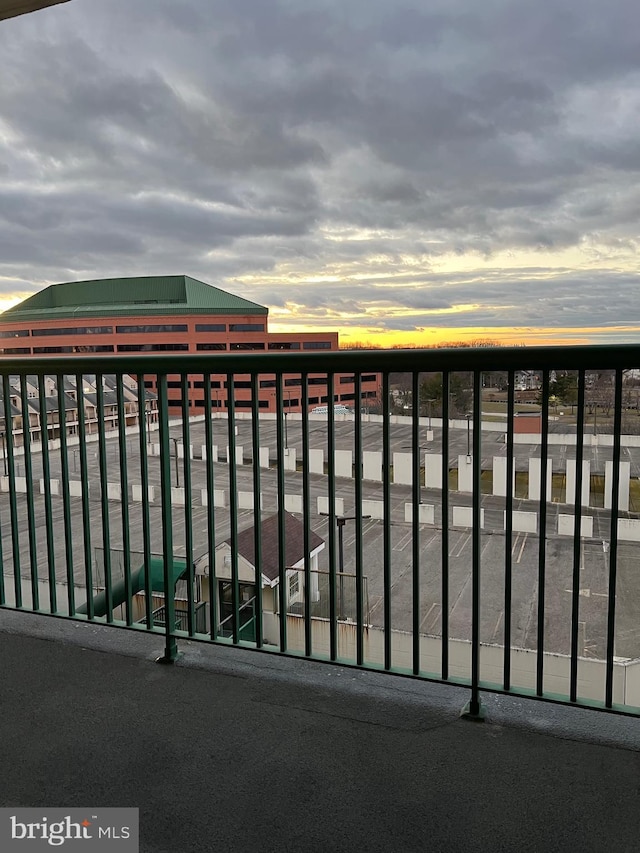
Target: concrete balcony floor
x=232, y=750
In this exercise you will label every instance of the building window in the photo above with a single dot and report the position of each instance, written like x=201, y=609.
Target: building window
x=167, y=327
x=318, y=380
x=246, y=327
x=285, y=345
x=153, y=347
x=267, y=383
x=239, y=383
x=316, y=345
x=37, y=350
x=294, y=585
x=200, y=384
x=369, y=377
x=209, y=347
x=348, y=396
x=17, y=333
x=243, y=346
x=73, y=330
x=287, y=402
x=293, y=381
x=211, y=327
x=17, y=350
x=96, y=348
x=344, y=380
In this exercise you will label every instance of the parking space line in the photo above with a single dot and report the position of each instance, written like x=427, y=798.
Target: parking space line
x=428, y=613
x=524, y=542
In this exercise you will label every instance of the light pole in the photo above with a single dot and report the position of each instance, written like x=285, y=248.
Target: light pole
x=4, y=454
x=286, y=412
x=175, y=445
x=468, y=417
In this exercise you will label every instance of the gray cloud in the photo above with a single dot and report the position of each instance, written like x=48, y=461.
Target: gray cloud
x=328, y=157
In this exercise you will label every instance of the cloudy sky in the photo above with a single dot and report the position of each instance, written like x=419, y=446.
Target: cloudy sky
x=403, y=172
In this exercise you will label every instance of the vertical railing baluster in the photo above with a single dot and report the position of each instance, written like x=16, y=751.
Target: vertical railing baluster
x=211, y=514
x=415, y=521
x=86, y=506
x=257, y=488
x=48, y=503
x=66, y=500
x=188, y=509
x=144, y=438
x=386, y=502
x=331, y=451
x=542, y=542
x=508, y=531
x=124, y=499
x=171, y=647
x=233, y=506
x=306, y=514
x=613, y=541
x=30, y=496
x=104, y=498
x=282, y=552
x=358, y=522
x=473, y=709
x=13, y=504
x=444, y=618
x=577, y=530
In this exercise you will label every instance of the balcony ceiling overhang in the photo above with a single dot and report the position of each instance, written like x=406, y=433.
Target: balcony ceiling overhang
x=12, y=8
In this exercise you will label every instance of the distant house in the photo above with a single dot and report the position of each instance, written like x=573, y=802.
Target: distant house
x=267, y=573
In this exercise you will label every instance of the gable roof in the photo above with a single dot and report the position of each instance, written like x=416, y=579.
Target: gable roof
x=145, y=296
x=294, y=544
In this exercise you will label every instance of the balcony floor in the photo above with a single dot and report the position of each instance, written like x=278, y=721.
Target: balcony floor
x=239, y=751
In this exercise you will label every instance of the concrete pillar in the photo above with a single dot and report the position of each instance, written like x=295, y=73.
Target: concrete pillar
x=623, y=487
x=500, y=476
x=316, y=461
x=372, y=465
x=239, y=454
x=293, y=503
x=465, y=473
x=402, y=468
x=177, y=495
x=535, y=479
x=344, y=463
x=433, y=470
x=289, y=459
x=113, y=492
x=245, y=500
x=75, y=488
x=138, y=493
x=426, y=513
x=219, y=497
x=570, y=497
x=54, y=487
x=264, y=457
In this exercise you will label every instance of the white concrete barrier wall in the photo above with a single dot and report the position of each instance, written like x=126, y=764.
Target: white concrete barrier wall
x=465, y=473
x=535, y=479
x=372, y=465
x=426, y=513
x=54, y=487
x=316, y=461
x=214, y=453
x=523, y=522
x=402, y=468
x=570, y=496
x=245, y=500
x=289, y=458
x=21, y=484
x=219, y=497
x=75, y=488
x=323, y=505
x=177, y=495
x=113, y=492
x=623, y=487
x=293, y=503
x=344, y=463
x=181, y=451
x=629, y=529
x=373, y=508
x=433, y=471
x=566, y=525
x=463, y=516
x=138, y=493
x=264, y=457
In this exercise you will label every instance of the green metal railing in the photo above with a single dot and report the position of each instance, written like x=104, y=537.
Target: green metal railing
x=502, y=600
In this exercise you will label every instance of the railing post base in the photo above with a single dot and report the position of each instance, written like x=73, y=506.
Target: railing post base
x=474, y=711
x=171, y=654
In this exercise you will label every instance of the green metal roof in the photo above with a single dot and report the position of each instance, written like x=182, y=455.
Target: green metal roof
x=147, y=295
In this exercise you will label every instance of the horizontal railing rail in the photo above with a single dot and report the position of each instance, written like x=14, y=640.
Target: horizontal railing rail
x=476, y=520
